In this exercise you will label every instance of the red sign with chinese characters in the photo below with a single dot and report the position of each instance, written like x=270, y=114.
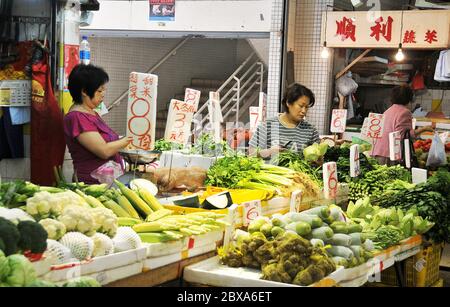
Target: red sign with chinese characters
x=387, y=29
x=141, y=110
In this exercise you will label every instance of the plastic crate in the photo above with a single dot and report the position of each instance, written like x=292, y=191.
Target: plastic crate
x=422, y=270
x=15, y=93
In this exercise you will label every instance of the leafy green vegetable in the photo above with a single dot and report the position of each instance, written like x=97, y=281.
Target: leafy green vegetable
x=385, y=236
x=163, y=145
x=21, y=271
x=205, y=145
x=315, y=152
x=82, y=282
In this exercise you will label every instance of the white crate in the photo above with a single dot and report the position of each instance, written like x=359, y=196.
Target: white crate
x=15, y=93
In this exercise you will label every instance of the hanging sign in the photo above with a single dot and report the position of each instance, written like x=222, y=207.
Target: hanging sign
x=252, y=210
x=254, y=118
x=355, y=169
x=162, y=10
x=192, y=97
x=373, y=126
x=262, y=107
x=407, y=154
x=141, y=110
x=381, y=29
x=179, y=121
x=330, y=180
x=395, y=146
x=338, y=121
x=215, y=115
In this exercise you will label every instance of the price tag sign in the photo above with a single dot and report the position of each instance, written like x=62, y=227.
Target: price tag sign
x=444, y=137
x=254, y=118
x=296, y=200
x=192, y=97
x=262, y=107
x=179, y=121
x=141, y=110
x=355, y=169
x=338, y=121
x=215, y=115
x=374, y=126
x=252, y=210
x=407, y=154
x=395, y=146
x=419, y=175
x=414, y=123
x=330, y=180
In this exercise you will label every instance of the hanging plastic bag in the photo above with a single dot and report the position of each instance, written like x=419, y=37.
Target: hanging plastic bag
x=437, y=156
x=107, y=172
x=346, y=85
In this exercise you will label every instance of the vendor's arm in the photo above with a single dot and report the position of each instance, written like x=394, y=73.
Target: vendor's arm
x=95, y=143
x=423, y=129
x=259, y=143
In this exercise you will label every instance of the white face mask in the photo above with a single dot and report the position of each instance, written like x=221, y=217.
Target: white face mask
x=101, y=109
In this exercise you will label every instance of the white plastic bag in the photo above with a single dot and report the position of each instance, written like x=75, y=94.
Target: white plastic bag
x=437, y=156
x=107, y=172
x=346, y=85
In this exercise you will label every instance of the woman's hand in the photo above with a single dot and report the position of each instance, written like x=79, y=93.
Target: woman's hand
x=424, y=129
x=126, y=141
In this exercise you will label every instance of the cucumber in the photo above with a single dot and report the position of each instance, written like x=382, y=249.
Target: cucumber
x=323, y=233
x=313, y=220
x=340, y=239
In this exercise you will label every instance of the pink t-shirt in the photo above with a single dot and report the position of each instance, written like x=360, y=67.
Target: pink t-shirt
x=396, y=118
x=84, y=161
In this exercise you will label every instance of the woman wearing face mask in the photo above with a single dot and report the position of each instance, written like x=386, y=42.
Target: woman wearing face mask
x=288, y=130
x=397, y=118
x=90, y=141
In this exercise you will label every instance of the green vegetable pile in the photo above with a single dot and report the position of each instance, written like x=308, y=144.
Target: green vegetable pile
x=375, y=182
x=431, y=200
x=15, y=193
x=163, y=145
x=315, y=152
x=205, y=145
x=294, y=161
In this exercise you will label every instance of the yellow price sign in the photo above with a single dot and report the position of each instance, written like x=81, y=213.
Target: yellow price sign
x=5, y=97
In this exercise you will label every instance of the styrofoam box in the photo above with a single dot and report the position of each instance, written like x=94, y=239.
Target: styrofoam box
x=42, y=266
x=97, y=264
x=205, y=239
x=211, y=272
x=408, y=253
x=361, y=270
x=157, y=262
x=162, y=249
x=201, y=250
x=357, y=282
x=178, y=159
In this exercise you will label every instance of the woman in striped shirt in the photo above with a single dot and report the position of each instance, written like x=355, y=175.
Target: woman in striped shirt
x=288, y=130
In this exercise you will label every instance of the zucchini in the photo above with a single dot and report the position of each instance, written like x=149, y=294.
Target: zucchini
x=340, y=239
x=323, y=233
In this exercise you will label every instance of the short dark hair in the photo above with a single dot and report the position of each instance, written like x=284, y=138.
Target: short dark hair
x=402, y=94
x=87, y=78
x=296, y=91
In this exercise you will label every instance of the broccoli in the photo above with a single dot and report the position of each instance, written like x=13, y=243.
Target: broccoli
x=33, y=237
x=10, y=236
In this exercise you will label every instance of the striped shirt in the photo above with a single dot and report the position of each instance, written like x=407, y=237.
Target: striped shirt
x=274, y=133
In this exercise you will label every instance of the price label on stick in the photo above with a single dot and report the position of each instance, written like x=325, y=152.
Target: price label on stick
x=296, y=200
x=355, y=169
x=262, y=107
x=252, y=210
x=338, y=121
x=407, y=154
x=192, y=97
x=373, y=126
x=395, y=146
x=330, y=180
x=254, y=117
x=179, y=121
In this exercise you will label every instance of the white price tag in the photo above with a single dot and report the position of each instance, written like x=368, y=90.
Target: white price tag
x=254, y=118
x=444, y=137
x=192, y=97
x=338, y=121
x=179, y=122
x=141, y=110
x=252, y=210
x=330, y=180
x=215, y=115
x=419, y=175
x=355, y=169
x=262, y=107
x=374, y=126
x=296, y=200
x=395, y=146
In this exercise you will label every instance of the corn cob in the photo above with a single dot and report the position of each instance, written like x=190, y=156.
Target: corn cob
x=127, y=206
x=157, y=215
x=128, y=221
x=134, y=199
x=150, y=200
x=154, y=227
x=112, y=205
x=91, y=200
x=155, y=237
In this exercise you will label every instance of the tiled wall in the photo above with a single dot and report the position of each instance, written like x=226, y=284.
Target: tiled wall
x=310, y=69
x=426, y=99
x=275, y=59
x=198, y=58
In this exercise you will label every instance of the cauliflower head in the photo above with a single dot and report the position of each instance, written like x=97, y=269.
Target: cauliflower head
x=79, y=219
x=106, y=221
x=55, y=229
